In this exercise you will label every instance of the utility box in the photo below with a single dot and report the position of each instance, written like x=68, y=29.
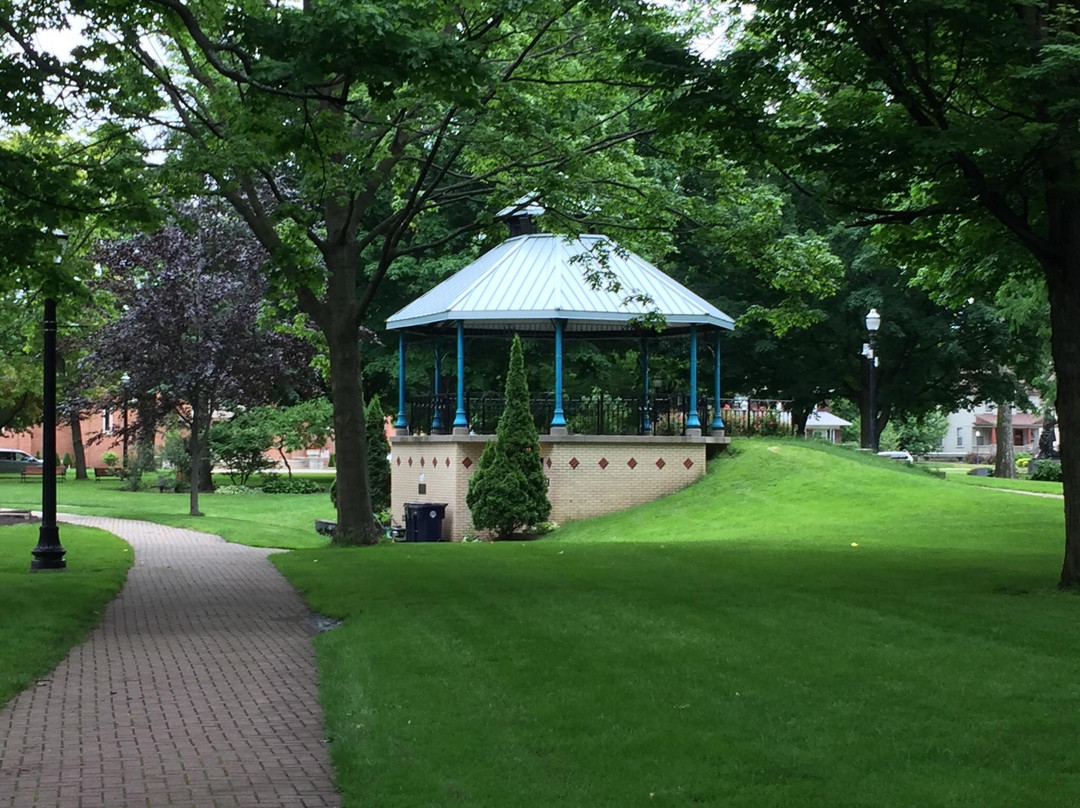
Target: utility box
x=423, y=521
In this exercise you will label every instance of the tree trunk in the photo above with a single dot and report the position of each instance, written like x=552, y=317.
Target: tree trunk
x=285, y=460
x=195, y=457
x=1063, y=286
x=77, y=448
x=1004, y=458
x=355, y=522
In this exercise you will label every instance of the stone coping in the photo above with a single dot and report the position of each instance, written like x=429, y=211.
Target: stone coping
x=721, y=440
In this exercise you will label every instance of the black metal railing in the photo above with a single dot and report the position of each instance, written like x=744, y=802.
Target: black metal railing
x=604, y=414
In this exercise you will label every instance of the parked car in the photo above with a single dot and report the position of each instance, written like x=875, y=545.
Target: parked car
x=902, y=456
x=13, y=461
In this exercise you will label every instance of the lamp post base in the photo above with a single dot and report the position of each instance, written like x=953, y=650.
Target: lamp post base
x=49, y=553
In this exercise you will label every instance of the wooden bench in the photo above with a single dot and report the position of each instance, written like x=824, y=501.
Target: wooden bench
x=39, y=471
x=106, y=471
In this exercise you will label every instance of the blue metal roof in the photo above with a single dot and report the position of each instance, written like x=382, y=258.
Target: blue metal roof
x=528, y=281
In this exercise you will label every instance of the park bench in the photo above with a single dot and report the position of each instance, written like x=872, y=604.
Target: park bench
x=39, y=471
x=106, y=471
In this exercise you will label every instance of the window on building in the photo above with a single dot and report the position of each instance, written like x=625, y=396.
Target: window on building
x=959, y=436
x=106, y=421
x=1018, y=437
x=981, y=438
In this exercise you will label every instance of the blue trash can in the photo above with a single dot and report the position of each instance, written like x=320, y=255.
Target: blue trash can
x=423, y=521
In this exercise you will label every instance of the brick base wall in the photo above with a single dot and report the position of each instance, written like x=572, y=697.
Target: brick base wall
x=588, y=475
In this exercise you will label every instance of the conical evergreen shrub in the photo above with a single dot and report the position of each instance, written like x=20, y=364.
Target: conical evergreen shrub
x=509, y=490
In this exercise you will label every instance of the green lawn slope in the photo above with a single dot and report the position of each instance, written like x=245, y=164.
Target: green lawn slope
x=800, y=628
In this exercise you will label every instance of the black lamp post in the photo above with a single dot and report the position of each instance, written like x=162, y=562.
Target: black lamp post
x=873, y=323
x=49, y=553
x=125, y=380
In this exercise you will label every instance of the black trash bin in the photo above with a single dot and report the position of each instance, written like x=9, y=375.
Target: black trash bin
x=423, y=521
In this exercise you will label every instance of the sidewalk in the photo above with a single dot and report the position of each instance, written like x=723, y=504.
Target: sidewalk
x=197, y=690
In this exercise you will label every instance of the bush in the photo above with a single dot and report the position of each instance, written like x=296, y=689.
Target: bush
x=68, y=461
x=1047, y=470
x=295, y=485
x=1023, y=462
x=175, y=453
x=378, y=467
x=239, y=444
x=110, y=459
x=509, y=489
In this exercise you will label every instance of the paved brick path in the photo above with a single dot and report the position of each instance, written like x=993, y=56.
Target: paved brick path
x=198, y=690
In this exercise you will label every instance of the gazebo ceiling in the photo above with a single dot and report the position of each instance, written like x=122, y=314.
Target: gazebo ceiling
x=531, y=280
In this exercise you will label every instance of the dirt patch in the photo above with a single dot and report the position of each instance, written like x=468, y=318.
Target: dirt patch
x=17, y=519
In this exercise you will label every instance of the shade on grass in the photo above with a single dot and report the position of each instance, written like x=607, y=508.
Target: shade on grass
x=259, y=520
x=43, y=615
x=725, y=646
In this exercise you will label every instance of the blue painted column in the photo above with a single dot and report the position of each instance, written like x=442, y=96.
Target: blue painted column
x=436, y=416
x=717, y=421
x=692, y=420
x=558, y=418
x=402, y=424
x=646, y=424
x=461, y=423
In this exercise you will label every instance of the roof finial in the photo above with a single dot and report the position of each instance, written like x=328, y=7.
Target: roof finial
x=519, y=216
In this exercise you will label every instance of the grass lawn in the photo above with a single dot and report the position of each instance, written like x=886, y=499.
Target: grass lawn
x=1021, y=484
x=801, y=628
x=43, y=615
x=260, y=520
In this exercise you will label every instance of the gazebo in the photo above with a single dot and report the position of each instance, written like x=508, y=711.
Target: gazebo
x=561, y=288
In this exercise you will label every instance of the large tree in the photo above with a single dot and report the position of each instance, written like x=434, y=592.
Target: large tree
x=955, y=115
x=187, y=330
x=336, y=128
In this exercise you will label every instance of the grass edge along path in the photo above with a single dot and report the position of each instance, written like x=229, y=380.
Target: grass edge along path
x=43, y=615
x=796, y=629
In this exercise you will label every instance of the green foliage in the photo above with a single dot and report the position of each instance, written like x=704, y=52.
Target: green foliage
x=290, y=485
x=240, y=444
x=1023, y=462
x=919, y=435
x=110, y=459
x=378, y=449
x=237, y=490
x=1045, y=470
x=68, y=462
x=176, y=454
x=509, y=489
x=304, y=425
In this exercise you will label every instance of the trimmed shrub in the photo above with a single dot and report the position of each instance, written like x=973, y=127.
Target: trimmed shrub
x=68, y=461
x=509, y=490
x=378, y=447
x=110, y=459
x=1046, y=470
x=295, y=485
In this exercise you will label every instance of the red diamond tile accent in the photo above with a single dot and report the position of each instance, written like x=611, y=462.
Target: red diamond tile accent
x=549, y=462
x=688, y=462
x=467, y=462
x=434, y=461
x=399, y=461
x=660, y=463
x=422, y=461
x=632, y=463
x=410, y=461
x=448, y=462
x=603, y=463
x=574, y=463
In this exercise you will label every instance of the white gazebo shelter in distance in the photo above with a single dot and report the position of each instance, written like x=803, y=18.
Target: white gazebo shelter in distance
x=539, y=285
x=825, y=426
